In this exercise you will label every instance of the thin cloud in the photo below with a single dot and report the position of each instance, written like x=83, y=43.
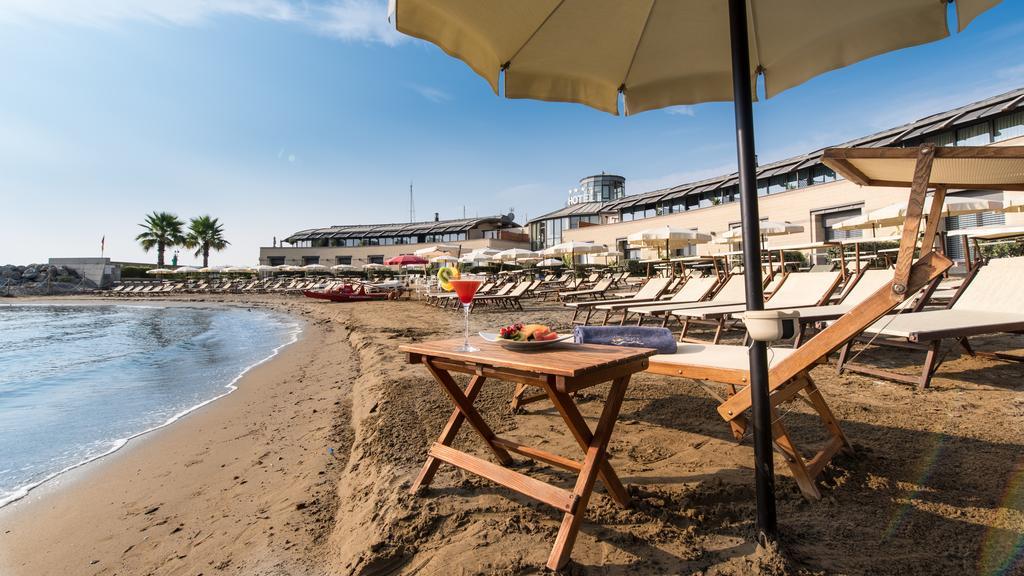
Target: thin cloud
x=349, y=20
x=435, y=95
x=681, y=110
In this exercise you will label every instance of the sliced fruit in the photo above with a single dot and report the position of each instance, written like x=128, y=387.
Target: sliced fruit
x=445, y=275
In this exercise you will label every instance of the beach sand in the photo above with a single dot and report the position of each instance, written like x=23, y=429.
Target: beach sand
x=249, y=484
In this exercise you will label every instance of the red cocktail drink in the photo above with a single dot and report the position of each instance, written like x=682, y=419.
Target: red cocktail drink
x=466, y=289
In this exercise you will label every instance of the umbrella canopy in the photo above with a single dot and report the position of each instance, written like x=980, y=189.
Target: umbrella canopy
x=488, y=252
x=187, y=270
x=550, y=262
x=374, y=266
x=159, y=271
x=443, y=259
x=265, y=268
x=405, y=260
x=764, y=228
x=238, y=270
x=667, y=238
x=314, y=268
x=343, y=267
x=573, y=248
x=894, y=214
x=475, y=259
x=437, y=249
x=657, y=53
x=515, y=255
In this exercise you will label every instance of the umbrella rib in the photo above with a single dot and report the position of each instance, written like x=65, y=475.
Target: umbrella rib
x=507, y=64
x=639, y=40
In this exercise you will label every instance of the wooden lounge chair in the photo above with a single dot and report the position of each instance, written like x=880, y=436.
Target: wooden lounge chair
x=696, y=289
x=799, y=289
x=509, y=299
x=729, y=292
x=596, y=293
x=650, y=291
x=789, y=372
x=990, y=302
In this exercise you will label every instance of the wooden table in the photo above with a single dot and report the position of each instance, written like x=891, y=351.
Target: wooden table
x=559, y=371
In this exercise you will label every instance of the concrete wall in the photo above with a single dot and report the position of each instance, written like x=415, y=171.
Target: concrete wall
x=360, y=254
x=98, y=270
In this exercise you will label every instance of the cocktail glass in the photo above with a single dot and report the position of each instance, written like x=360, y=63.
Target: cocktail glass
x=465, y=288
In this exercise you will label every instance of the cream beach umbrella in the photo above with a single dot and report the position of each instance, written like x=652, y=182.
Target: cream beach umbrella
x=894, y=214
x=668, y=238
x=343, y=268
x=515, y=255
x=186, y=270
x=438, y=250
x=159, y=271
x=656, y=53
x=571, y=249
x=264, y=268
x=550, y=263
x=375, y=266
x=238, y=270
x=444, y=259
x=764, y=228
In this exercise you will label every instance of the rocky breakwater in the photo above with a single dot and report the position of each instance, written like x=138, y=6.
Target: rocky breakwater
x=41, y=279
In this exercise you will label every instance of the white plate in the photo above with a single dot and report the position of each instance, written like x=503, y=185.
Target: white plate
x=519, y=345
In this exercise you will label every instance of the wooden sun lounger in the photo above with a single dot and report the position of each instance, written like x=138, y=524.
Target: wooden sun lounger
x=681, y=296
x=991, y=301
x=798, y=289
x=510, y=299
x=695, y=290
x=730, y=292
x=789, y=373
x=597, y=292
x=652, y=290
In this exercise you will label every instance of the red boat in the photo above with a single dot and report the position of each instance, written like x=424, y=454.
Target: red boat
x=349, y=294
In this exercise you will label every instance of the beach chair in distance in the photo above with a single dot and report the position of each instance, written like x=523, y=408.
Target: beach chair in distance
x=693, y=290
x=649, y=292
x=731, y=291
x=798, y=289
x=789, y=373
x=509, y=299
x=991, y=301
x=597, y=292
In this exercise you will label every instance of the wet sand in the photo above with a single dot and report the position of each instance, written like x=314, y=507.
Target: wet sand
x=305, y=470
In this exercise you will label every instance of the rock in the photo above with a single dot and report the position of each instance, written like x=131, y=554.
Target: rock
x=30, y=273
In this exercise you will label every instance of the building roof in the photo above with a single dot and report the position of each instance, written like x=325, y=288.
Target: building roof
x=950, y=119
x=584, y=208
x=401, y=229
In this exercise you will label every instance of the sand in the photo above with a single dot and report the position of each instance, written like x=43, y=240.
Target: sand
x=305, y=470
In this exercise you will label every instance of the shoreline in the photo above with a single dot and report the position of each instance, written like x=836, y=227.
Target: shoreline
x=21, y=492
x=45, y=506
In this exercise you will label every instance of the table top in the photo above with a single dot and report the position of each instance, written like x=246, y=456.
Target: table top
x=562, y=359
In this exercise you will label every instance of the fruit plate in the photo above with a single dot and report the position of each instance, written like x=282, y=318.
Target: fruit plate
x=496, y=338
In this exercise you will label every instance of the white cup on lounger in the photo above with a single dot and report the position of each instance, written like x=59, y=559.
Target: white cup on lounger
x=770, y=325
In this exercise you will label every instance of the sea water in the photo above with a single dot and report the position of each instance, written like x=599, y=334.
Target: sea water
x=78, y=381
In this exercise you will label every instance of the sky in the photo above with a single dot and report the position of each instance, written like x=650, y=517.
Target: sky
x=281, y=115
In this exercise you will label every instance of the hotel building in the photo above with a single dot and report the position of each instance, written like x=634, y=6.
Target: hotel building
x=359, y=245
x=802, y=190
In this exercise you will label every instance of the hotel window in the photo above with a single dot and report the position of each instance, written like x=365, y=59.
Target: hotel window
x=347, y=260
x=307, y=260
x=976, y=135
x=275, y=260
x=947, y=138
x=1009, y=126
x=375, y=259
x=821, y=174
x=830, y=217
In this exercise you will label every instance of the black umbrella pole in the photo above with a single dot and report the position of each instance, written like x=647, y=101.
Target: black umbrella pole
x=764, y=471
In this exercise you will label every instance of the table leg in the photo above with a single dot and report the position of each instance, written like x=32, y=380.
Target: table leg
x=451, y=429
x=594, y=464
x=466, y=407
x=578, y=426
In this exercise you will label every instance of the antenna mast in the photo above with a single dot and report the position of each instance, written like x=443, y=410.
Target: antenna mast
x=412, y=206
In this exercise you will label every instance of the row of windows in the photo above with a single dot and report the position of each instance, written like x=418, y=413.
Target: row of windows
x=980, y=134
x=549, y=232
x=381, y=241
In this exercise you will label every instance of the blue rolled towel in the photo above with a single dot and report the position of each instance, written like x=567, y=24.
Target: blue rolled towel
x=660, y=339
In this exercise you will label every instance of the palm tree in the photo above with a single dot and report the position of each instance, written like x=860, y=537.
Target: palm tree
x=163, y=230
x=205, y=234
